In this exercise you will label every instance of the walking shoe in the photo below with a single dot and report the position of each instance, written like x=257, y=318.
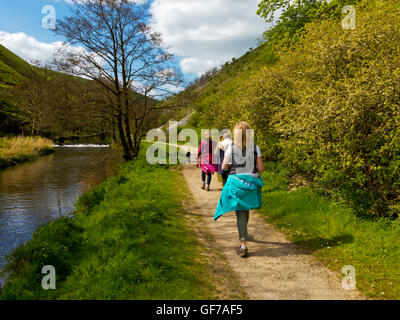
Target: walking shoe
x=207, y=188
x=242, y=252
x=203, y=186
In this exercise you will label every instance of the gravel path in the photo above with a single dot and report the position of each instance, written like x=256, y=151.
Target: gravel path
x=276, y=268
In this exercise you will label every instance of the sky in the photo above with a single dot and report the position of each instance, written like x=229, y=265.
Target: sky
x=201, y=33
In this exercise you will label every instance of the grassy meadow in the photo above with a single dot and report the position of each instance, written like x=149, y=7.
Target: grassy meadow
x=16, y=150
x=329, y=229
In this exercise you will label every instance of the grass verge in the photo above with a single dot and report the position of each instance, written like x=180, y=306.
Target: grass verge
x=127, y=240
x=17, y=150
x=335, y=234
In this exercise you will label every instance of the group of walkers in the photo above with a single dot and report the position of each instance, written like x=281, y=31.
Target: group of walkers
x=239, y=162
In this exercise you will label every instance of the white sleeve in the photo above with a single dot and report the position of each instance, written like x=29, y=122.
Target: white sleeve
x=258, y=151
x=225, y=144
x=228, y=155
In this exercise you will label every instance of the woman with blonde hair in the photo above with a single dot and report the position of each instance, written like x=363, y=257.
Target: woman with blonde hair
x=242, y=191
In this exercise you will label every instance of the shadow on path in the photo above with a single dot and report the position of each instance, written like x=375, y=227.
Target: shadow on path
x=278, y=249
x=317, y=243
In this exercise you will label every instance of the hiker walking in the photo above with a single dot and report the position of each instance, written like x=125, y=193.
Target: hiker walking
x=223, y=145
x=242, y=191
x=188, y=155
x=207, y=161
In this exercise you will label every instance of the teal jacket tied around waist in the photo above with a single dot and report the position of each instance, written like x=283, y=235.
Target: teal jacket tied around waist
x=241, y=192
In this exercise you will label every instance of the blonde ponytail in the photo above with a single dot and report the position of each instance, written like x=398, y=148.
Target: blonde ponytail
x=240, y=133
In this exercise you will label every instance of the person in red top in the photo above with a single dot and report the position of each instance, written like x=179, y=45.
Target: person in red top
x=208, y=163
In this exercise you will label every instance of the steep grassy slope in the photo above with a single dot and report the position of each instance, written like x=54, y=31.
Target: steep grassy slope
x=224, y=84
x=13, y=69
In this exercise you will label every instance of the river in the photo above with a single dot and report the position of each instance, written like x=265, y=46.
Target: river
x=35, y=193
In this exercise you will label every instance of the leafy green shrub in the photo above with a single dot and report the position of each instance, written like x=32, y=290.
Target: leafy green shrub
x=323, y=101
x=341, y=123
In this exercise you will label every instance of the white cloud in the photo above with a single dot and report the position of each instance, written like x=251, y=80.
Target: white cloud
x=28, y=47
x=207, y=32
x=198, y=66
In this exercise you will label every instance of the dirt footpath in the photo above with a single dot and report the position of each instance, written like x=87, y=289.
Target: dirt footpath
x=276, y=268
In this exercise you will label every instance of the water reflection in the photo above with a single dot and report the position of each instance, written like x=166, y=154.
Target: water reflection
x=35, y=193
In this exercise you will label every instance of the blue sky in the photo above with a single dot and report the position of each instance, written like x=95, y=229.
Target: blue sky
x=202, y=33
x=26, y=16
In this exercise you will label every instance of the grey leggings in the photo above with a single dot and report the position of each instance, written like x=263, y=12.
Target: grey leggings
x=242, y=220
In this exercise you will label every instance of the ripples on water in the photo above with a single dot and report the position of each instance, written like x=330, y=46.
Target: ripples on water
x=35, y=193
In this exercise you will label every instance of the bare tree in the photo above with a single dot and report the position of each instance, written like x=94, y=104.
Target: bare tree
x=120, y=51
x=31, y=99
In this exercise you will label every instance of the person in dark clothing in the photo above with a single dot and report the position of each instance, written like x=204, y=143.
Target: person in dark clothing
x=188, y=155
x=223, y=145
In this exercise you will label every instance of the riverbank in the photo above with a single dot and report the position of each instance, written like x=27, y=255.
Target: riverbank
x=17, y=150
x=128, y=239
x=334, y=234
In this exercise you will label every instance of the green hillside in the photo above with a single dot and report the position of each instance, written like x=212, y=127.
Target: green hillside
x=229, y=78
x=38, y=101
x=13, y=69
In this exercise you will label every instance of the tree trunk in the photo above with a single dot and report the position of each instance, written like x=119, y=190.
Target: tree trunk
x=114, y=135
x=136, y=148
x=127, y=154
x=128, y=130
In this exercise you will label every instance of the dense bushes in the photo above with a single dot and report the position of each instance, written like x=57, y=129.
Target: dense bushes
x=340, y=120
x=328, y=107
